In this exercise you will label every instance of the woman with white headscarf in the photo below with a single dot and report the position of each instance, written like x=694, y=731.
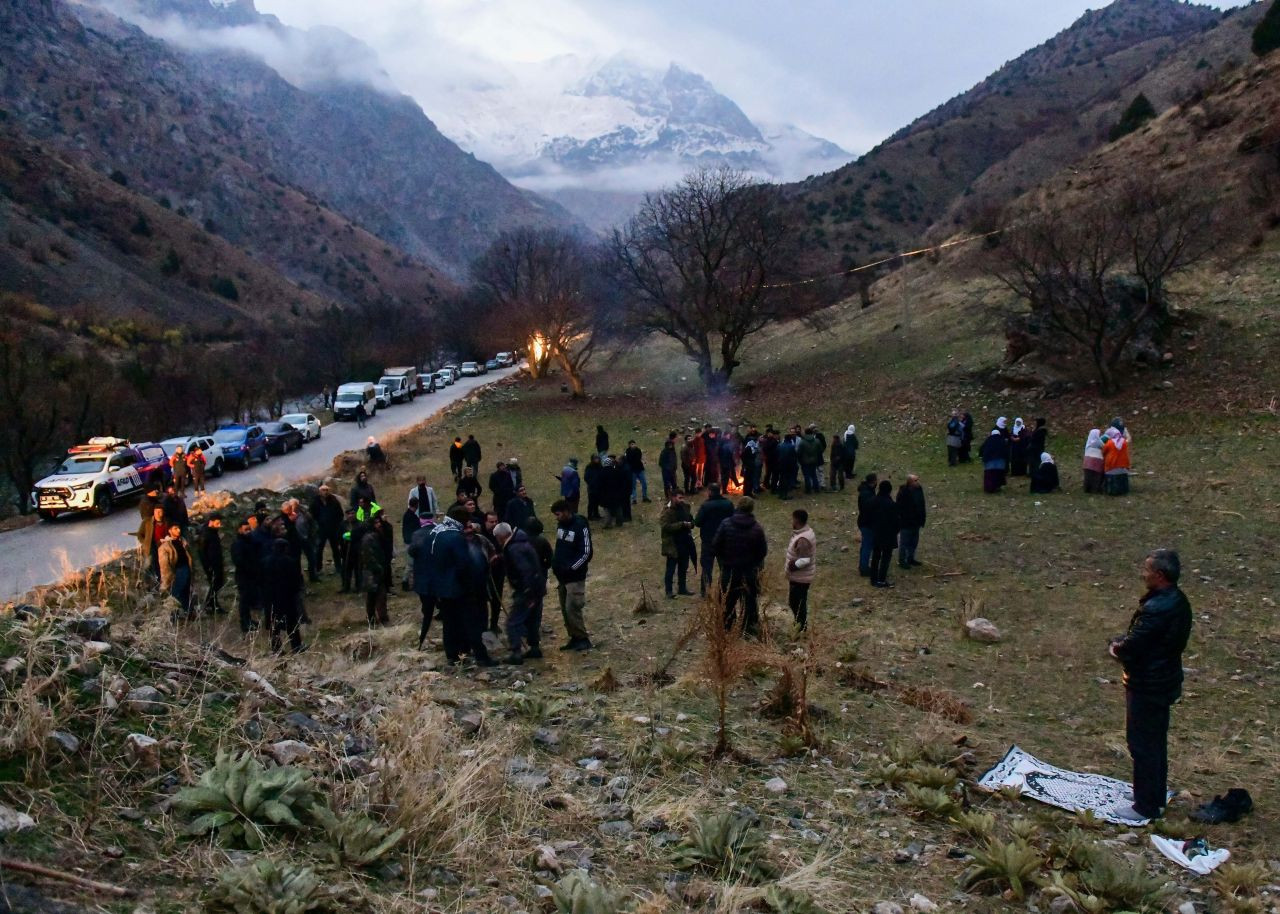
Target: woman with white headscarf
x=994, y=455
x=1093, y=462
x=1044, y=478
x=1019, y=438
x=850, y=450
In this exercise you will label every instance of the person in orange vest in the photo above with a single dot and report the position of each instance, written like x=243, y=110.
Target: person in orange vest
x=195, y=465
x=1117, y=457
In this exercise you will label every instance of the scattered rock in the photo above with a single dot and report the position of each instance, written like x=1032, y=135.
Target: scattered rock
x=215, y=699
x=619, y=786
x=12, y=665
x=146, y=700
x=90, y=629
x=143, y=750
x=13, y=821
x=65, y=741
x=27, y=611
x=1061, y=904
x=616, y=828
x=304, y=725
x=545, y=736
x=983, y=630
x=886, y=907
x=1187, y=907
x=468, y=721
x=920, y=903
x=288, y=751
x=775, y=785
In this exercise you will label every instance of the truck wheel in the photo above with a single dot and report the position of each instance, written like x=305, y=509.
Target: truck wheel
x=102, y=502
x=218, y=467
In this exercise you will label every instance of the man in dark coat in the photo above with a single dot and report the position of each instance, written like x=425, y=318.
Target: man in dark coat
x=175, y=508
x=866, y=513
x=209, y=544
x=528, y=588
x=1039, y=441
x=282, y=593
x=1151, y=652
x=455, y=459
x=519, y=509
x=602, y=441
x=633, y=461
x=326, y=510
x=615, y=486
x=688, y=471
x=502, y=487
x=362, y=488
x=444, y=576
x=769, y=452
x=741, y=547
x=593, y=479
x=713, y=512
x=911, y=517
x=966, y=437
x=884, y=534
x=471, y=453
x=788, y=465
x=668, y=463
x=246, y=559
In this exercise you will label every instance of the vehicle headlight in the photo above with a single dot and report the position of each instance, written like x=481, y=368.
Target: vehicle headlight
x=81, y=486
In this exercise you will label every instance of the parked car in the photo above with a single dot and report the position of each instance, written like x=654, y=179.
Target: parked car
x=453, y=370
x=492, y=365
x=382, y=394
x=94, y=476
x=282, y=437
x=351, y=395
x=242, y=444
x=444, y=377
x=470, y=369
x=215, y=462
x=306, y=423
x=505, y=359
x=427, y=383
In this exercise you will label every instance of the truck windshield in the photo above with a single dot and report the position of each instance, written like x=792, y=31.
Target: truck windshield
x=88, y=463
x=349, y=398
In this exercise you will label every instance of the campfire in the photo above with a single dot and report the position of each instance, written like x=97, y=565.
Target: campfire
x=733, y=487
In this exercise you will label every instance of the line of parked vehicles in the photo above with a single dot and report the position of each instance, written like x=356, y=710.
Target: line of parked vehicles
x=95, y=476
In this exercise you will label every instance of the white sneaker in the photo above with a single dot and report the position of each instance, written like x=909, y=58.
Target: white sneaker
x=1127, y=814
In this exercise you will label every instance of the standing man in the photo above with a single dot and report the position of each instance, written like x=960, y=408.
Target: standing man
x=593, y=478
x=471, y=453
x=802, y=554
x=428, y=506
x=528, y=587
x=569, y=564
x=326, y=511
x=668, y=461
x=634, y=461
x=676, y=522
x=714, y=511
x=246, y=559
x=687, y=470
x=502, y=487
x=519, y=509
x=375, y=571
x=1151, y=652
x=455, y=459
x=282, y=595
x=866, y=511
x=179, y=470
x=210, y=543
x=741, y=548
x=571, y=484
x=196, y=465
x=751, y=463
x=810, y=453
x=361, y=415
x=884, y=534
x=911, y=517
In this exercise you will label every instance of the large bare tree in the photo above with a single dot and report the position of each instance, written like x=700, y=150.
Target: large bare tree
x=545, y=284
x=699, y=263
x=1092, y=277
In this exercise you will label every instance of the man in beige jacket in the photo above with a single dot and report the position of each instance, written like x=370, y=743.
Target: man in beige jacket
x=802, y=554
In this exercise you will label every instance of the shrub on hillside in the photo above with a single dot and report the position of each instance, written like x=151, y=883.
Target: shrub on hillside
x=225, y=287
x=1140, y=111
x=1266, y=37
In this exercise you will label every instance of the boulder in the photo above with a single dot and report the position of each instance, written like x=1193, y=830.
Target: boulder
x=775, y=785
x=922, y=904
x=288, y=751
x=886, y=907
x=146, y=700
x=143, y=750
x=982, y=630
x=67, y=742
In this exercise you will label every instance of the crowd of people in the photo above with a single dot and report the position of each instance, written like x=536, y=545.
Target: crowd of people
x=1018, y=450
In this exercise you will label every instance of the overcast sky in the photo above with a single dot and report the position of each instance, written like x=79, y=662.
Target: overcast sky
x=852, y=71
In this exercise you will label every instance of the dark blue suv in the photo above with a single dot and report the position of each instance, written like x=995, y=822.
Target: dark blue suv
x=242, y=443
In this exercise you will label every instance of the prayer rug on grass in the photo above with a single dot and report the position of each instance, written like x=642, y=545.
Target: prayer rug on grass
x=1075, y=791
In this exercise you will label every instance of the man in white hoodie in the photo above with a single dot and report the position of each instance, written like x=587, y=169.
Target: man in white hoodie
x=801, y=555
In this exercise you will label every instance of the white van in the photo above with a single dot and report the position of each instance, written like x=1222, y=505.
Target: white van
x=351, y=395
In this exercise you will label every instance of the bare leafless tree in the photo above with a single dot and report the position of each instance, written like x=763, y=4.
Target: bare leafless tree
x=1091, y=277
x=700, y=263
x=544, y=282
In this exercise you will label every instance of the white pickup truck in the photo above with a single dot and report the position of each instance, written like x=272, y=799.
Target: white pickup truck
x=94, y=476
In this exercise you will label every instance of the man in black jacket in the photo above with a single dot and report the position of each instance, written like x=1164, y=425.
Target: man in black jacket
x=246, y=559
x=866, y=497
x=210, y=544
x=714, y=511
x=282, y=593
x=884, y=534
x=471, y=453
x=569, y=564
x=1151, y=652
x=741, y=548
x=528, y=587
x=502, y=487
x=326, y=510
x=911, y=516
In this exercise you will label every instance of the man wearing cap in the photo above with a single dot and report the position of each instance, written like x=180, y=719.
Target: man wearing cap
x=210, y=544
x=569, y=564
x=528, y=587
x=741, y=547
x=570, y=484
x=713, y=512
x=326, y=511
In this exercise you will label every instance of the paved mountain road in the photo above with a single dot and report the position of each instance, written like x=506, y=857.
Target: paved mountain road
x=46, y=552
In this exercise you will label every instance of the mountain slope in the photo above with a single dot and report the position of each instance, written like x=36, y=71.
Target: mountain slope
x=1038, y=113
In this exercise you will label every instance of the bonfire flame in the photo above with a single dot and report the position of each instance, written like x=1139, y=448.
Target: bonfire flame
x=733, y=487
x=538, y=346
